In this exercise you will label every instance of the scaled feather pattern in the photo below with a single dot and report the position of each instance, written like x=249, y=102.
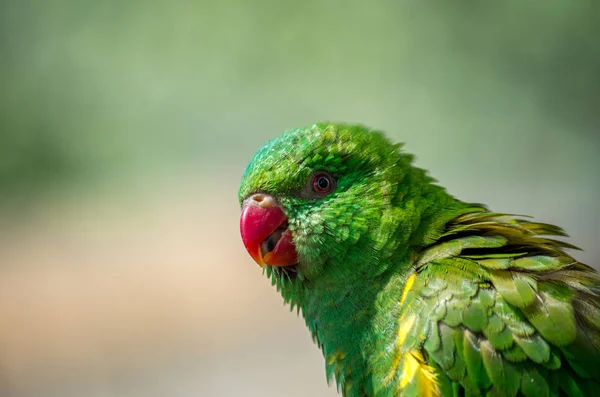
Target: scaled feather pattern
x=409, y=291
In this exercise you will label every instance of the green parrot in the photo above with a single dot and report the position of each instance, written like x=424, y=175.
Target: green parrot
x=407, y=290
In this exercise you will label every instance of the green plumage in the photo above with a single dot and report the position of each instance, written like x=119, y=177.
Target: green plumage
x=411, y=292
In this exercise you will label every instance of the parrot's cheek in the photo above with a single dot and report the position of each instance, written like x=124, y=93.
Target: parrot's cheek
x=265, y=233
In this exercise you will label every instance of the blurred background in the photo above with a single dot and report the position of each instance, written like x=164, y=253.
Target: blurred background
x=125, y=127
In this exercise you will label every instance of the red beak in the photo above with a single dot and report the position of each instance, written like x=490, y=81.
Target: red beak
x=265, y=232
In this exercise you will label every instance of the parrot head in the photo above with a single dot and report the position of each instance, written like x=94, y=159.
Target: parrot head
x=328, y=199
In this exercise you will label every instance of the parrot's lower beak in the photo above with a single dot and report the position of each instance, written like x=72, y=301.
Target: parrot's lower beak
x=265, y=232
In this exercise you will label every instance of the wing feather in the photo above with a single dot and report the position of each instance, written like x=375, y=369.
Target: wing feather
x=502, y=310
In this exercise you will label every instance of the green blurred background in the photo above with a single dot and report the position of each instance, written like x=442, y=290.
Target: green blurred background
x=125, y=127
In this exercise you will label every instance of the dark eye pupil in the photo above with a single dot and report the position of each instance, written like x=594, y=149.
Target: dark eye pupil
x=323, y=183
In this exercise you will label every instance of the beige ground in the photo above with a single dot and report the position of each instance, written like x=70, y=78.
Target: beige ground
x=144, y=297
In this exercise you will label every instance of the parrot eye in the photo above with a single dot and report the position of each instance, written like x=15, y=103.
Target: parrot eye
x=322, y=183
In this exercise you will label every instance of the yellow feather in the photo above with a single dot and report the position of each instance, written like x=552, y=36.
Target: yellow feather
x=390, y=375
x=408, y=286
x=403, y=330
x=416, y=370
x=408, y=371
x=335, y=356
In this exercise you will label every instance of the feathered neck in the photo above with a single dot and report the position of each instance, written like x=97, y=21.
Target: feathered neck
x=348, y=319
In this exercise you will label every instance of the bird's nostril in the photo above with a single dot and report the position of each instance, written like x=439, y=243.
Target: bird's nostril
x=258, y=198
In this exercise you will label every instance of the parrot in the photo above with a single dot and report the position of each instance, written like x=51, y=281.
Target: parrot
x=407, y=290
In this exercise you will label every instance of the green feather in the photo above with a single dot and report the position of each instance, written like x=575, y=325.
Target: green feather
x=495, y=263
x=439, y=311
x=514, y=320
x=504, y=375
x=445, y=384
x=454, y=315
x=444, y=356
x=534, y=384
x=535, y=347
x=459, y=369
x=474, y=361
x=554, y=385
x=409, y=291
x=455, y=247
x=570, y=386
x=433, y=341
x=554, y=362
x=500, y=340
x=539, y=263
x=494, y=326
x=486, y=295
x=514, y=354
x=583, y=356
x=552, y=315
x=475, y=316
x=518, y=289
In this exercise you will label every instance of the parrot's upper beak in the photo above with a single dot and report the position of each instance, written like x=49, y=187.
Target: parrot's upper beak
x=265, y=232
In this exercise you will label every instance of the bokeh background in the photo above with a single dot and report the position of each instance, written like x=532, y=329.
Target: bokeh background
x=125, y=127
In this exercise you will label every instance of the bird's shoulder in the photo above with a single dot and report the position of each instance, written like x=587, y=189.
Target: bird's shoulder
x=496, y=305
